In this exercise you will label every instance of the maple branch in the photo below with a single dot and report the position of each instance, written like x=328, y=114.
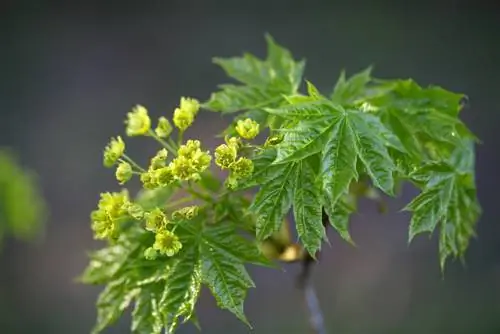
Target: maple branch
x=316, y=320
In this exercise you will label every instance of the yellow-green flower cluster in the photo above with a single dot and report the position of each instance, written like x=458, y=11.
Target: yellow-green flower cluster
x=113, y=151
x=190, y=162
x=112, y=207
x=247, y=128
x=226, y=157
x=158, y=173
x=166, y=242
x=186, y=112
x=138, y=122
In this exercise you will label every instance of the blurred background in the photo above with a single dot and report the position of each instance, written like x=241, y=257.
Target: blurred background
x=70, y=71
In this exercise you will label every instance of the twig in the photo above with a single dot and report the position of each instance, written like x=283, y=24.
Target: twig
x=311, y=300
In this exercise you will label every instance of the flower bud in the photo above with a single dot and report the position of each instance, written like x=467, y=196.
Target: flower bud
x=138, y=122
x=123, y=172
x=150, y=253
x=164, y=128
x=190, y=105
x=113, y=151
x=188, y=213
x=183, y=118
x=156, y=220
x=225, y=155
x=248, y=128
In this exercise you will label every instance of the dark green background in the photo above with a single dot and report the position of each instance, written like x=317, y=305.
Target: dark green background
x=70, y=72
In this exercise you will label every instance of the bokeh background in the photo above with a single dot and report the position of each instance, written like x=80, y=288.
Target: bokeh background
x=70, y=71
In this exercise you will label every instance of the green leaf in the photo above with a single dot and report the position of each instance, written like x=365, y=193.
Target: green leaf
x=273, y=201
x=307, y=209
x=183, y=283
x=366, y=137
x=228, y=280
x=346, y=91
x=448, y=200
x=111, y=303
x=233, y=98
x=338, y=162
x=147, y=316
x=264, y=82
x=338, y=214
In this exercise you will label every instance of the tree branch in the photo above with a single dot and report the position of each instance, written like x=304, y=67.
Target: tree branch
x=304, y=283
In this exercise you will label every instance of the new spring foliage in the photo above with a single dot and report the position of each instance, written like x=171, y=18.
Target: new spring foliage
x=321, y=151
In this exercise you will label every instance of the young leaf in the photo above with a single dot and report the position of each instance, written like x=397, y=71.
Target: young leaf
x=147, y=316
x=448, y=200
x=264, y=82
x=273, y=201
x=346, y=91
x=366, y=136
x=307, y=208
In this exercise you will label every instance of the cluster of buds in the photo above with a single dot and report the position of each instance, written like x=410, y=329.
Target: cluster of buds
x=226, y=155
x=186, y=112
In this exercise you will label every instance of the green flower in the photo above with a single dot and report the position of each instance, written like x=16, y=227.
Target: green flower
x=150, y=253
x=225, y=155
x=167, y=243
x=115, y=204
x=159, y=160
x=138, y=122
x=183, y=118
x=201, y=161
x=123, y=172
x=148, y=181
x=190, y=105
x=156, y=220
x=188, y=213
x=243, y=167
x=103, y=225
x=181, y=168
x=164, y=176
x=164, y=128
x=248, y=128
x=113, y=151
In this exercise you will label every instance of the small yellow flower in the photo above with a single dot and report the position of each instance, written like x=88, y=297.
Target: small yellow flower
x=113, y=151
x=189, y=104
x=183, y=119
x=148, y=181
x=248, y=128
x=159, y=160
x=167, y=243
x=164, y=128
x=115, y=204
x=243, y=167
x=111, y=207
x=150, y=253
x=181, y=167
x=201, y=161
x=138, y=122
x=188, y=213
x=123, y=172
x=164, y=176
x=233, y=141
x=103, y=225
x=225, y=155
x=156, y=220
